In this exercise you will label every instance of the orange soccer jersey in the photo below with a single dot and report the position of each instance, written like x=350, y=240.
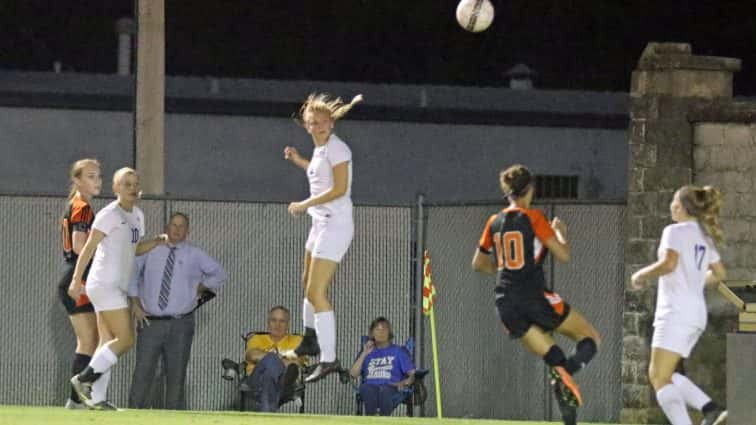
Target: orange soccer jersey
x=517, y=237
x=79, y=218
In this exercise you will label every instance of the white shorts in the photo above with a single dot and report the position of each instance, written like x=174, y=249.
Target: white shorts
x=329, y=238
x=679, y=339
x=106, y=298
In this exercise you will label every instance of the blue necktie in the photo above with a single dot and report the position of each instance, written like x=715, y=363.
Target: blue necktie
x=165, y=285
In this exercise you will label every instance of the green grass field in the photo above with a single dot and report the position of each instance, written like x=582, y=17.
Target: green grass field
x=23, y=415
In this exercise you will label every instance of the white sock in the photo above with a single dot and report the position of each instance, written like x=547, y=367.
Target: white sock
x=325, y=327
x=693, y=396
x=100, y=388
x=308, y=314
x=673, y=405
x=103, y=359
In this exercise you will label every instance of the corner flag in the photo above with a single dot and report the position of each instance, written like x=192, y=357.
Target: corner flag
x=429, y=295
x=429, y=291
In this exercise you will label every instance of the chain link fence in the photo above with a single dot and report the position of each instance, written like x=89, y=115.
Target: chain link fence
x=484, y=375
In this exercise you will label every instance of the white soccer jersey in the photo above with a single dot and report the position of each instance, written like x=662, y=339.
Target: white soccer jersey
x=680, y=298
x=320, y=176
x=114, y=260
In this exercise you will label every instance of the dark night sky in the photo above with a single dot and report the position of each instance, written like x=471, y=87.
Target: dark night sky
x=590, y=44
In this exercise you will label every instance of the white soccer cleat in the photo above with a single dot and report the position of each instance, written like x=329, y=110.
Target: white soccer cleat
x=106, y=406
x=715, y=417
x=72, y=405
x=83, y=390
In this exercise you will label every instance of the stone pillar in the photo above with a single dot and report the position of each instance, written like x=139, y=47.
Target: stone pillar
x=667, y=83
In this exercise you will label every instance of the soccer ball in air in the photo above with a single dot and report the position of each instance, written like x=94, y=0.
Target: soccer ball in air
x=475, y=15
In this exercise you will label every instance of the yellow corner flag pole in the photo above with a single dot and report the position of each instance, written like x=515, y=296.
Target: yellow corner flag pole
x=429, y=294
x=435, y=365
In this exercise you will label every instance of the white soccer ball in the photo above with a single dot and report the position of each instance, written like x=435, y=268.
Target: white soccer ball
x=475, y=15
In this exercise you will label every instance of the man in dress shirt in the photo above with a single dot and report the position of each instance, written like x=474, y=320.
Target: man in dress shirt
x=164, y=291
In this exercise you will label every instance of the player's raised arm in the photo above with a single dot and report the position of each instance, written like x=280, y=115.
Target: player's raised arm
x=292, y=155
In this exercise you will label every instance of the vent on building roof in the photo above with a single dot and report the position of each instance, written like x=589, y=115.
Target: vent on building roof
x=520, y=77
x=556, y=187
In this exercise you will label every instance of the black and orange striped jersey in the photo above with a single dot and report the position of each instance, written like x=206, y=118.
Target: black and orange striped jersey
x=516, y=237
x=78, y=218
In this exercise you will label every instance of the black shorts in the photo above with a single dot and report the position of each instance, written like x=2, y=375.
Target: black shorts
x=82, y=305
x=518, y=312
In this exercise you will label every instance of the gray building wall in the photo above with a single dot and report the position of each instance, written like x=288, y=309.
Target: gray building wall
x=240, y=157
x=39, y=145
x=224, y=138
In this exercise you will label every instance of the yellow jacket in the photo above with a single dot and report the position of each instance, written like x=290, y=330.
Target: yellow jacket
x=263, y=342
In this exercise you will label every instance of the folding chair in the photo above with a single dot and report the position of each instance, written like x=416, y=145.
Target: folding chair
x=414, y=395
x=237, y=371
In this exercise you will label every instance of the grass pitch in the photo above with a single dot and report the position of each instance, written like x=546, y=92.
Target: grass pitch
x=25, y=415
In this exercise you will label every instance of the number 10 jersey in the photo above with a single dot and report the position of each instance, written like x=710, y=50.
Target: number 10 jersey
x=516, y=237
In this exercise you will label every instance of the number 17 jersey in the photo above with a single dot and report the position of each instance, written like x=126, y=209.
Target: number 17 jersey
x=516, y=237
x=680, y=298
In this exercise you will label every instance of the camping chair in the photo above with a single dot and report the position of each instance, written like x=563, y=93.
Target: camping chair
x=414, y=395
x=237, y=371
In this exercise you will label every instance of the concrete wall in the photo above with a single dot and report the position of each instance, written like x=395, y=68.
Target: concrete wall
x=240, y=157
x=39, y=145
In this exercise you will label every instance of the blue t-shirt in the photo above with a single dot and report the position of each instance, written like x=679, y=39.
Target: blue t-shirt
x=386, y=365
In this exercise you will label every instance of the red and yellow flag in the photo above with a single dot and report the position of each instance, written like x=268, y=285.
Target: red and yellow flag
x=429, y=291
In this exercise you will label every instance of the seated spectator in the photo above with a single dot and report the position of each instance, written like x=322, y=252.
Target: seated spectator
x=272, y=379
x=385, y=368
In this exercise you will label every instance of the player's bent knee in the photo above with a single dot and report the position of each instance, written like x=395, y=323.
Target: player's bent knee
x=657, y=377
x=125, y=342
x=589, y=332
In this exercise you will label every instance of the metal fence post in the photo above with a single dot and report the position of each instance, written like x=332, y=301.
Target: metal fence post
x=418, y=281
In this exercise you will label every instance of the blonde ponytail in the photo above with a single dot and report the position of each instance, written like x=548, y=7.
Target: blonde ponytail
x=343, y=109
x=335, y=108
x=71, y=193
x=704, y=203
x=709, y=218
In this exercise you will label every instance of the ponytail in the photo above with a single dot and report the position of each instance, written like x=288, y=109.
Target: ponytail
x=335, y=108
x=704, y=203
x=71, y=194
x=709, y=218
x=344, y=108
